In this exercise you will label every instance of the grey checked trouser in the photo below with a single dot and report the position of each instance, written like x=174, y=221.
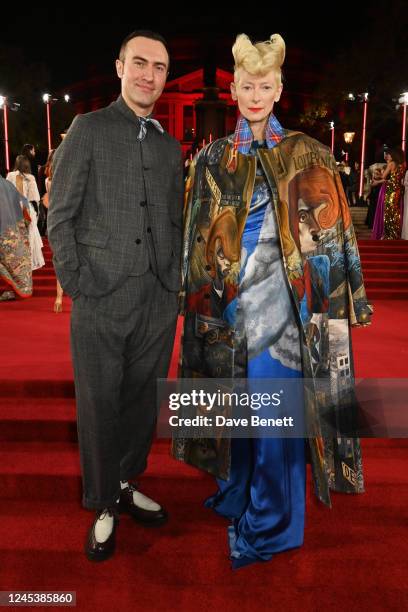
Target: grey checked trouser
x=121, y=343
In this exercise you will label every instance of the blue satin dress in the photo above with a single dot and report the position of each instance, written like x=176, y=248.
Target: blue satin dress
x=265, y=495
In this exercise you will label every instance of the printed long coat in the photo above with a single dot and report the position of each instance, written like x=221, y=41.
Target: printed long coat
x=324, y=278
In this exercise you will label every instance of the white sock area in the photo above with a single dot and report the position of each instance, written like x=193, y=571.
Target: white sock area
x=103, y=527
x=141, y=500
x=145, y=502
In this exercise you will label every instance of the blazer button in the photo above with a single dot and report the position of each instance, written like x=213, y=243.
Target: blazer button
x=138, y=241
x=207, y=296
x=143, y=203
x=149, y=230
x=198, y=238
x=146, y=168
x=208, y=267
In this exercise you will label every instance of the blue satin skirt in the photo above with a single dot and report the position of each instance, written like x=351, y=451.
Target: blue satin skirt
x=264, y=497
x=265, y=494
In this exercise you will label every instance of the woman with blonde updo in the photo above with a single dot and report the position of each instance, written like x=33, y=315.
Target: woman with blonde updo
x=277, y=197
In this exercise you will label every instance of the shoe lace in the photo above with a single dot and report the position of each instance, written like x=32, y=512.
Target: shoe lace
x=108, y=511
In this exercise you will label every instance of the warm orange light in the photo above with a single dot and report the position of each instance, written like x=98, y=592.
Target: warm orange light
x=348, y=137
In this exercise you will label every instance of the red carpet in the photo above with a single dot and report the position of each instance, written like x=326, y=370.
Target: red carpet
x=354, y=556
x=385, y=267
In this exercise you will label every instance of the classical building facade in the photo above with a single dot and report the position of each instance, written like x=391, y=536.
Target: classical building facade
x=196, y=107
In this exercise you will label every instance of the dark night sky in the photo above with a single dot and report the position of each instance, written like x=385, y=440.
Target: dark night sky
x=76, y=44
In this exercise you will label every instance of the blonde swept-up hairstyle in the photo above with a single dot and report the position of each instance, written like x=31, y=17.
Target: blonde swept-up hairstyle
x=259, y=58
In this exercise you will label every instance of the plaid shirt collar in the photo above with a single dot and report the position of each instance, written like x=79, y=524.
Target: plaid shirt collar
x=243, y=136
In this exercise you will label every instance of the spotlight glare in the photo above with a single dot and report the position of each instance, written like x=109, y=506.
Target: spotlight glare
x=403, y=98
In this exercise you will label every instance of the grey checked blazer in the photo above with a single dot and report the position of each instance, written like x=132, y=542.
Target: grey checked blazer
x=104, y=183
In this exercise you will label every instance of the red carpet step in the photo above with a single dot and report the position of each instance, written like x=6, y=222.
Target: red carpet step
x=32, y=419
x=384, y=263
x=385, y=268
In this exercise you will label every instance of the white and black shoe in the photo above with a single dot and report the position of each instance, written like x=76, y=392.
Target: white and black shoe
x=140, y=507
x=100, y=543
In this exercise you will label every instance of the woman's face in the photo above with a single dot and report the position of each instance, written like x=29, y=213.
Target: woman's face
x=387, y=157
x=309, y=225
x=256, y=95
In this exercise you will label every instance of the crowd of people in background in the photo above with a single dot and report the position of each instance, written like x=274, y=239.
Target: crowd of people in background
x=26, y=184
x=350, y=178
x=22, y=225
x=385, y=193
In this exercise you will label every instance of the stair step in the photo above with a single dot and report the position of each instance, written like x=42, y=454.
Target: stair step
x=397, y=258
x=45, y=291
x=384, y=283
x=392, y=275
x=45, y=271
x=390, y=251
x=33, y=408
x=386, y=294
x=378, y=265
x=36, y=388
x=49, y=521
x=45, y=281
x=383, y=242
x=38, y=470
x=31, y=419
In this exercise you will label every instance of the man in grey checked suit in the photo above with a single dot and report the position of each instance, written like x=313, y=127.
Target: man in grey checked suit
x=114, y=226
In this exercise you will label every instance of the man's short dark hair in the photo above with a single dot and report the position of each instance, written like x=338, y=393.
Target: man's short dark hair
x=146, y=34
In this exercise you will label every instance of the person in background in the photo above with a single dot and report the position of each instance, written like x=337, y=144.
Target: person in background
x=45, y=203
x=344, y=173
x=29, y=151
x=354, y=178
x=388, y=215
x=15, y=256
x=404, y=231
x=25, y=183
x=43, y=187
x=375, y=174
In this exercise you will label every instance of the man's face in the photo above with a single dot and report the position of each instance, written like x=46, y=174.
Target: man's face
x=256, y=95
x=309, y=225
x=143, y=72
x=222, y=264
